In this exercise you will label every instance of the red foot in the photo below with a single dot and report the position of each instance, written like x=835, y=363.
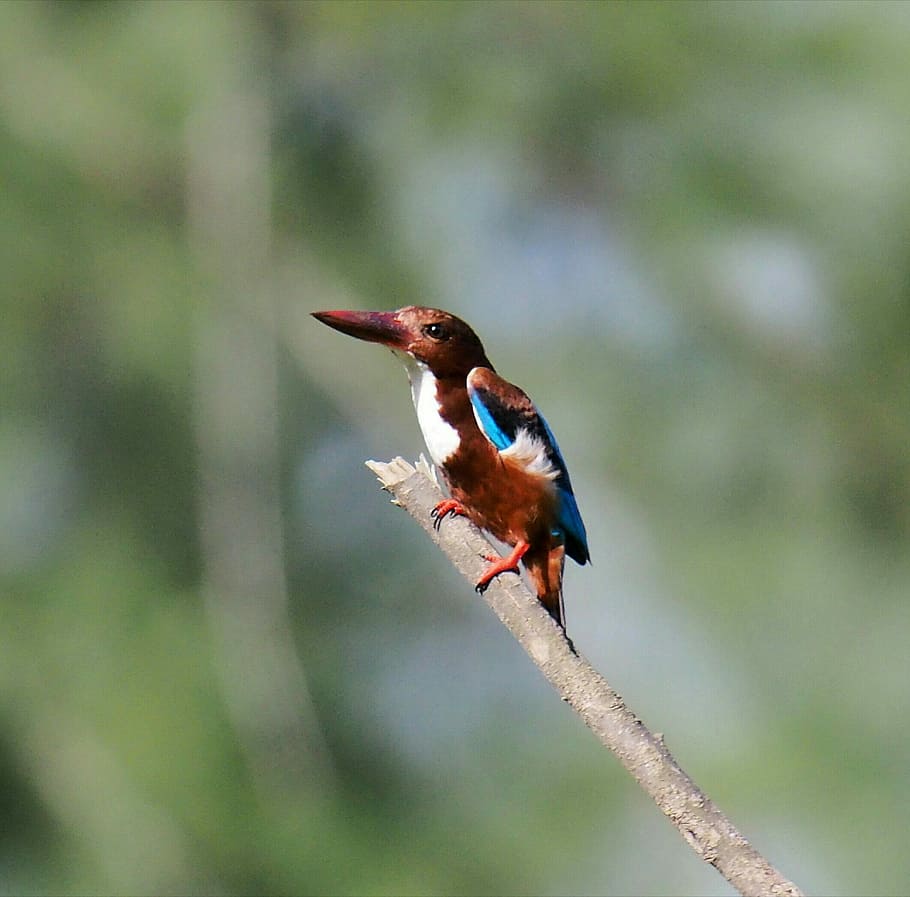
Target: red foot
x=446, y=507
x=501, y=565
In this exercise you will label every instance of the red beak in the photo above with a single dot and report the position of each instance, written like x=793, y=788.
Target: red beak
x=373, y=326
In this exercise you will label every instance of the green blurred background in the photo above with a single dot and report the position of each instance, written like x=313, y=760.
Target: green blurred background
x=228, y=666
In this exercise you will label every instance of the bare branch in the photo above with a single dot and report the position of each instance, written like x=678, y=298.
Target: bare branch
x=705, y=828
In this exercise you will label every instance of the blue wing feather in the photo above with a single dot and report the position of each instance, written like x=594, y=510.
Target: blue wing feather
x=488, y=424
x=569, y=516
x=500, y=421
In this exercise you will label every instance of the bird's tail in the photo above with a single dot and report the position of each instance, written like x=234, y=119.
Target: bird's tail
x=545, y=570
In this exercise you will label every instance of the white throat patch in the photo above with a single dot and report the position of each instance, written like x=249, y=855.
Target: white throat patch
x=440, y=436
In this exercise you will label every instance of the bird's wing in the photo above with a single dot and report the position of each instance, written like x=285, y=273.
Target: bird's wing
x=509, y=419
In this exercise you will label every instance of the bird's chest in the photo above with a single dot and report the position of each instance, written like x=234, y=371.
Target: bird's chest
x=497, y=490
x=441, y=438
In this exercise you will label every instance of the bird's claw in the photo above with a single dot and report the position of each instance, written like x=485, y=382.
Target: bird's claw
x=488, y=577
x=443, y=509
x=499, y=565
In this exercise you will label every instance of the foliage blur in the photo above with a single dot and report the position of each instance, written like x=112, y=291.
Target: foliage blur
x=228, y=665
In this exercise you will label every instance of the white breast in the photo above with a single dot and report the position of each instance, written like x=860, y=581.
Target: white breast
x=440, y=436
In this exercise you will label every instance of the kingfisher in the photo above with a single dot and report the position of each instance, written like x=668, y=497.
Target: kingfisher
x=498, y=457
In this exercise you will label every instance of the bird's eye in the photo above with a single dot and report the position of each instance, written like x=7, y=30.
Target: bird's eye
x=436, y=331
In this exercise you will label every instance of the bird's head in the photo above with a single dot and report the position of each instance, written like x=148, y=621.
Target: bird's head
x=444, y=343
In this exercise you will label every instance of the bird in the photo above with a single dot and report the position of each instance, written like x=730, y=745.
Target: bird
x=497, y=455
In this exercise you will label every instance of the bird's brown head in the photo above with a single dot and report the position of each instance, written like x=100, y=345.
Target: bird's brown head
x=436, y=338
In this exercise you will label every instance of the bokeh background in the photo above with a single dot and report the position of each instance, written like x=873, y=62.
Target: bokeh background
x=227, y=664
